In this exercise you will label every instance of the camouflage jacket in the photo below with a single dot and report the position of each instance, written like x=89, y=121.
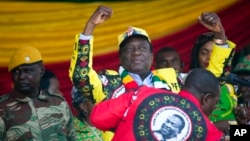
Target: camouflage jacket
x=45, y=118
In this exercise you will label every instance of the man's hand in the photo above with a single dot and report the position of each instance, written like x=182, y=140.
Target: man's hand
x=101, y=14
x=213, y=23
x=242, y=114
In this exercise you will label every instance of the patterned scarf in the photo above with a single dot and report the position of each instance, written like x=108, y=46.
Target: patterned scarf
x=130, y=83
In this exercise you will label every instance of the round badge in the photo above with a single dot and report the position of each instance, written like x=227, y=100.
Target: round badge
x=168, y=117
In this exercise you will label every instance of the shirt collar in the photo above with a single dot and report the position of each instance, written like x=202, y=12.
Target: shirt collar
x=41, y=97
x=147, y=81
x=191, y=97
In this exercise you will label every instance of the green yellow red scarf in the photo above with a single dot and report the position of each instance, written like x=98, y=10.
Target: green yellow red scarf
x=130, y=83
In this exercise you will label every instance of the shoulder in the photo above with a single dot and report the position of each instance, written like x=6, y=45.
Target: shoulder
x=108, y=75
x=163, y=71
x=230, y=87
x=56, y=100
x=4, y=97
x=229, y=90
x=172, y=74
x=57, y=96
x=108, y=72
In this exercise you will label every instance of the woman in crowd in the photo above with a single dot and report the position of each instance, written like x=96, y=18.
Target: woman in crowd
x=84, y=130
x=223, y=115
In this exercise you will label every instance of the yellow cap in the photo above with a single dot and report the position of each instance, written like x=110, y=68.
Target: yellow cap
x=24, y=55
x=132, y=31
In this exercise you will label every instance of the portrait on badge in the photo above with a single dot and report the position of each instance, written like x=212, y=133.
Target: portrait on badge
x=170, y=123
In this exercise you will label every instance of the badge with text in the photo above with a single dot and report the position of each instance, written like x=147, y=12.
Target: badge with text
x=169, y=117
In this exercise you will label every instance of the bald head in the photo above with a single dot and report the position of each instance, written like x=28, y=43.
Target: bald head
x=201, y=81
x=203, y=84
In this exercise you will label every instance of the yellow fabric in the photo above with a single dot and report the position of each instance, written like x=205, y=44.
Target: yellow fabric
x=112, y=72
x=51, y=26
x=73, y=58
x=232, y=93
x=24, y=55
x=127, y=79
x=216, y=63
x=232, y=101
x=94, y=81
x=169, y=75
x=132, y=31
x=107, y=135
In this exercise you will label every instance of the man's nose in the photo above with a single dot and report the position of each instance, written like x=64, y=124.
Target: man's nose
x=136, y=50
x=22, y=74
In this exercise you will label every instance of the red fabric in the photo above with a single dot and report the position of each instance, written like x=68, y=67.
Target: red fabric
x=234, y=19
x=113, y=117
x=213, y=133
x=114, y=111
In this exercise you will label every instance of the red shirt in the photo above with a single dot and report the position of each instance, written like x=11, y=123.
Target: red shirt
x=213, y=133
x=139, y=115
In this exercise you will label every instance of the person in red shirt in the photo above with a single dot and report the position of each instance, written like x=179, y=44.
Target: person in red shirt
x=138, y=113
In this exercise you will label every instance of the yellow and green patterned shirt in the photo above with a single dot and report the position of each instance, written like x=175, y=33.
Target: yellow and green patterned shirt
x=85, y=132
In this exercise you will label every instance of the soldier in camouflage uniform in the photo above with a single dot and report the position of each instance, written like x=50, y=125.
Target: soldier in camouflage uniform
x=27, y=112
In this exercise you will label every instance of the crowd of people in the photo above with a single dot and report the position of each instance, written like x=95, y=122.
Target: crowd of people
x=134, y=102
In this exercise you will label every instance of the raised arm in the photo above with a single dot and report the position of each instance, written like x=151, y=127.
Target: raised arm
x=81, y=72
x=101, y=14
x=222, y=48
x=213, y=23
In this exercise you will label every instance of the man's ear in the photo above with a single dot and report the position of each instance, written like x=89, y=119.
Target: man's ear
x=42, y=71
x=205, y=98
x=204, y=102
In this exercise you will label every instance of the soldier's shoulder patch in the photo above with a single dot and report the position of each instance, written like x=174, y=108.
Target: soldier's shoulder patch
x=4, y=97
